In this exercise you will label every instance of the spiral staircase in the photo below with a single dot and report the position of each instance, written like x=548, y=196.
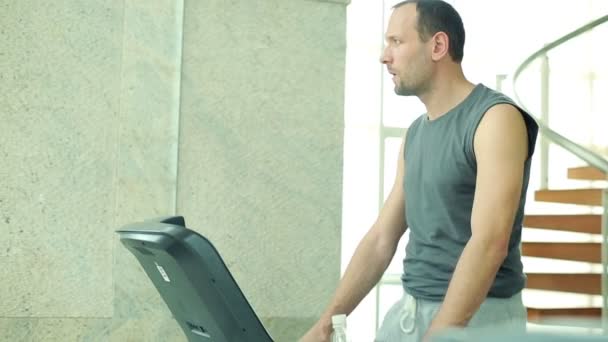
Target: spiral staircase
x=594, y=223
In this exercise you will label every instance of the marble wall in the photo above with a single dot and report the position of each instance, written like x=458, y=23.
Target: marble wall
x=226, y=112
x=261, y=146
x=59, y=105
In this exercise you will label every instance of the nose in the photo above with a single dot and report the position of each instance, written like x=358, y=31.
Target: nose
x=384, y=56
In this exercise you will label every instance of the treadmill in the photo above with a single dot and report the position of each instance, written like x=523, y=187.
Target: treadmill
x=194, y=281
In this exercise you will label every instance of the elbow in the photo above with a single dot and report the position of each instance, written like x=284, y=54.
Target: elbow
x=383, y=245
x=500, y=244
x=495, y=247
x=501, y=248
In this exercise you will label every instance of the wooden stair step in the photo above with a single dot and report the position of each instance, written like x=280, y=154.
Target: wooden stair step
x=584, y=251
x=538, y=315
x=587, y=283
x=591, y=224
x=586, y=173
x=571, y=196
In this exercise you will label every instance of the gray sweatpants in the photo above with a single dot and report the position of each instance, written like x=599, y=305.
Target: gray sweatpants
x=409, y=318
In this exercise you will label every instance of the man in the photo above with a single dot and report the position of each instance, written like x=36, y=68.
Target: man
x=460, y=188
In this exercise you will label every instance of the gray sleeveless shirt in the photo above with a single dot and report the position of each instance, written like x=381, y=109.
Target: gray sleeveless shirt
x=439, y=188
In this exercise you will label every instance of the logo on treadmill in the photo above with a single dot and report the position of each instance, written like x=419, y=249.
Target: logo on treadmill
x=162, y=272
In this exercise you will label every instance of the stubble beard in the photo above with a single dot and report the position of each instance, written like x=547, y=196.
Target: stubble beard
x=402, y=89
x=412, y=89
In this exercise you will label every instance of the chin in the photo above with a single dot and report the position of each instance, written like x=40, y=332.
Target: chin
x=403, y=92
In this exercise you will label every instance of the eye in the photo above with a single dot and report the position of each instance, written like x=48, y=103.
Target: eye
x=396, y=41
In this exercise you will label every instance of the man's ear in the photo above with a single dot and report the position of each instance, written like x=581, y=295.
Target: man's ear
x=440, y=46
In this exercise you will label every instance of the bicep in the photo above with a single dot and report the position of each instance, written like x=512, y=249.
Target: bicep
x=501, y=149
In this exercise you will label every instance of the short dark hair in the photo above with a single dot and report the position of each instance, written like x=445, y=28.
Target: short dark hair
x=439, y=16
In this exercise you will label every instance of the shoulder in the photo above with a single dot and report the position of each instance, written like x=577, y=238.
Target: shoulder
x=418, y=121
x=502, y=119
x=505, y=113
x=414, y=126
x=502, y=126
x=498, y=108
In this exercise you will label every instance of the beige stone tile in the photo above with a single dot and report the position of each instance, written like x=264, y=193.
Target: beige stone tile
x=261, y=145
x=59, y=123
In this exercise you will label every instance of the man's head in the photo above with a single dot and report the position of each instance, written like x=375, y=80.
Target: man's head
x=420, y=35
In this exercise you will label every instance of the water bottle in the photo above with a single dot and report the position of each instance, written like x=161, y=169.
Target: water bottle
x=339, y=325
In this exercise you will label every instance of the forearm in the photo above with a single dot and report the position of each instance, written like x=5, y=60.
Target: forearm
x=370, y=260
x=471, y=281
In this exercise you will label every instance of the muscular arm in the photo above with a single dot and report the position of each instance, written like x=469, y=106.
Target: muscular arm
x=501, y=149
x=370, y=260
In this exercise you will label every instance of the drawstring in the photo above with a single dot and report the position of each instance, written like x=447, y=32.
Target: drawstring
x=407, y=321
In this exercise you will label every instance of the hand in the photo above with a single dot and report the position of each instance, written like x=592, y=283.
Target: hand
x=433, y=330
x=437, y=329
x=318, y=333
x=428, y=336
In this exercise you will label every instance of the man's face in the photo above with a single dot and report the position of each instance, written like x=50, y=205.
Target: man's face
x=405, y=55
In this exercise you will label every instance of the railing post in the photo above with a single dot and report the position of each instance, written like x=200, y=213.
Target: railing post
x=605, y=261
x=544, y=110
x=499, y=80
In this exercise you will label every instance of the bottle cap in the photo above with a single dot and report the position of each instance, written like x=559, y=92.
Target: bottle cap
x=338, y=320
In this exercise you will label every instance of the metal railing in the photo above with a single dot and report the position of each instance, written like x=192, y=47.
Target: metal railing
x=550, y=136
x=584, y=153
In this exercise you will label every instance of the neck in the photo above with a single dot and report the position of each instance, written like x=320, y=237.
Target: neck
x=445, y=94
